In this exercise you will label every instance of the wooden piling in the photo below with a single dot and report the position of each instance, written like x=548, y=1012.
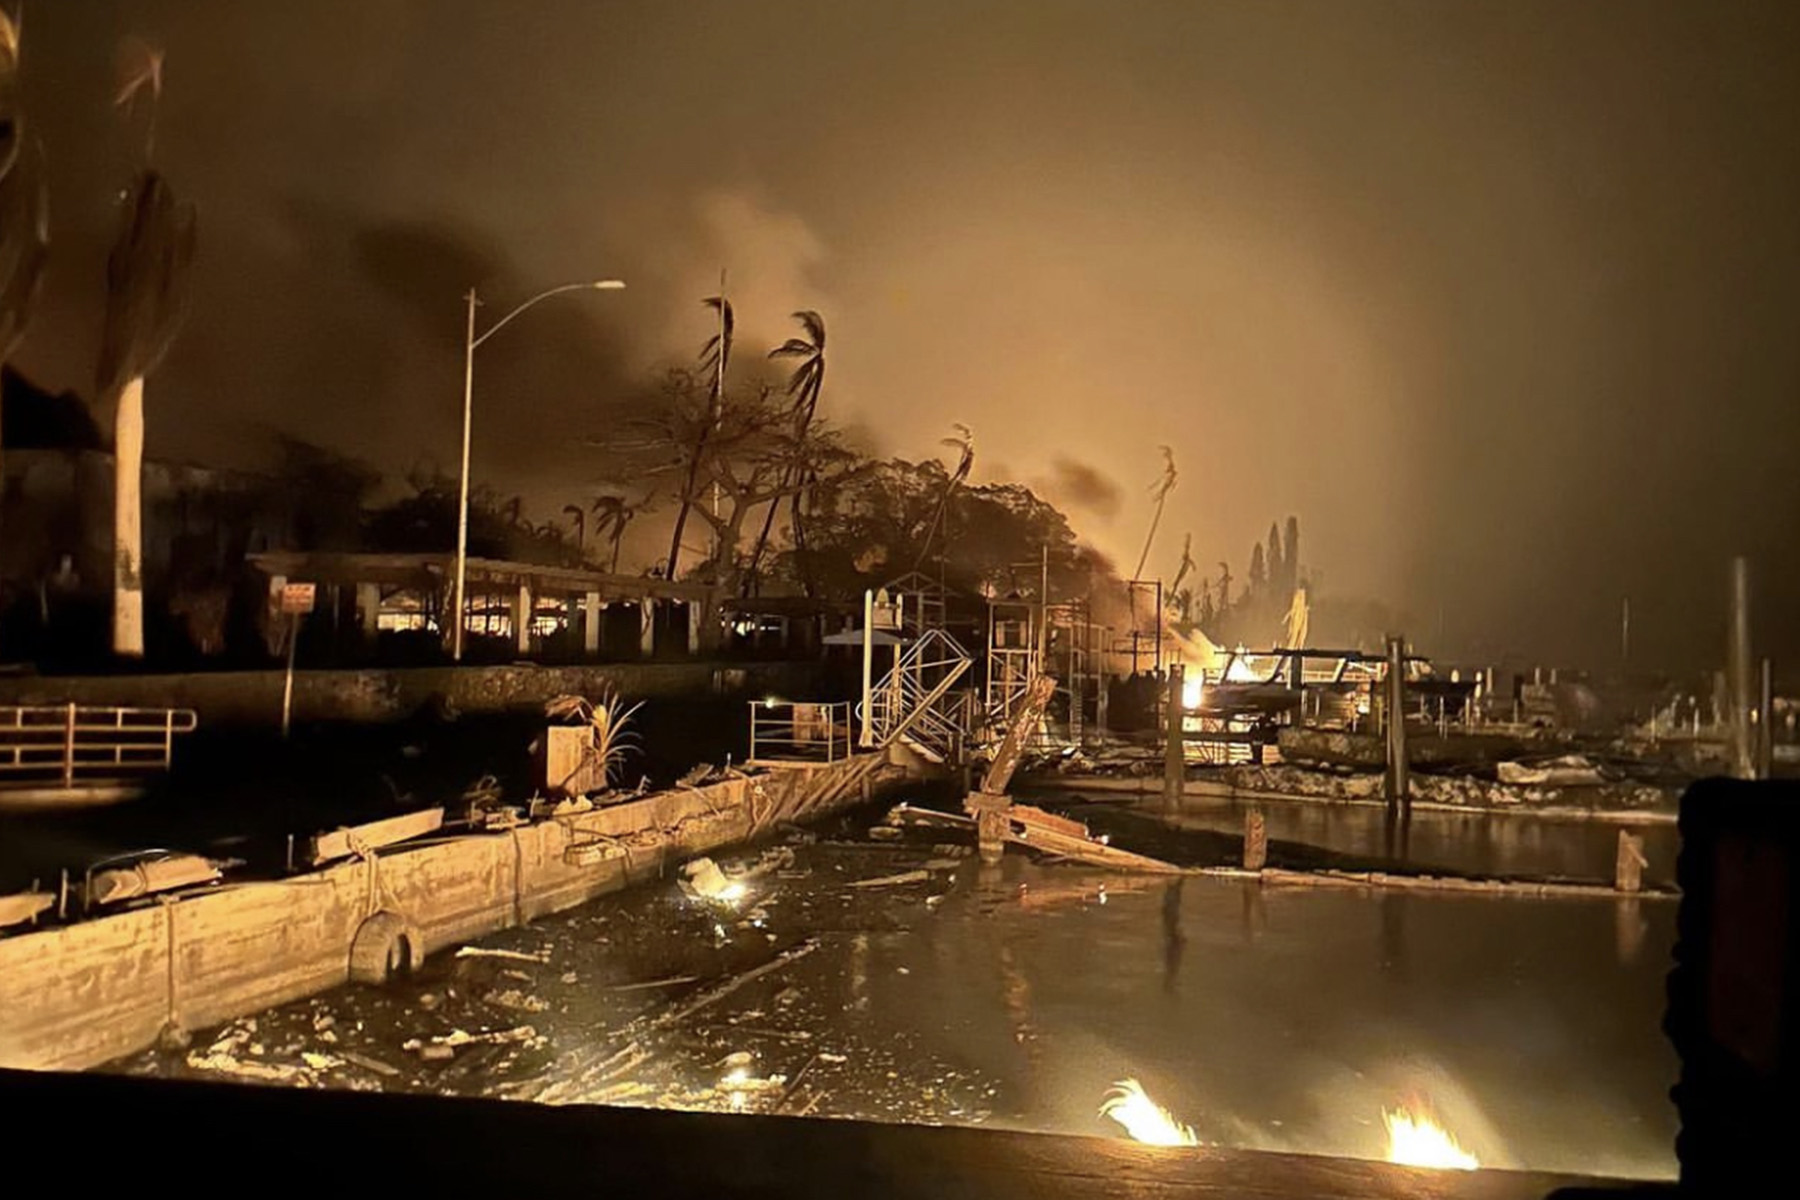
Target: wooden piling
x=1174, y=751
x=1743, y=759
x=1399, y=801
x=1628, y=874
x=1765, y=723
x=1256, y=841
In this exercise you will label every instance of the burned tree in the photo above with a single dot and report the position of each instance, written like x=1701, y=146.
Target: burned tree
x=744, y=450
x=146, y=300
x=803, y=388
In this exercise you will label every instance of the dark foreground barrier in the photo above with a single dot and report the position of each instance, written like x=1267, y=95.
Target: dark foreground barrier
x=236, y=1137
x=1734, y=995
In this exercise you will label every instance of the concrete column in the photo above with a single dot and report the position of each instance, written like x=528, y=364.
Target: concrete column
x=694, y=610
x=647, y=627
x=522, y=612
x=368, y=609
x=590, y=631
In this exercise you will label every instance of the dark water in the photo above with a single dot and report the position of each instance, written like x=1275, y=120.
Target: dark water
x=1017, y=995
x=1481, y=844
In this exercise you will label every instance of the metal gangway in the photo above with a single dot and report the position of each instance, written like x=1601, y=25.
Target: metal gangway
x=915, y=704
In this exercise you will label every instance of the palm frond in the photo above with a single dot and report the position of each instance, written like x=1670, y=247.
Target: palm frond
x=140, y=69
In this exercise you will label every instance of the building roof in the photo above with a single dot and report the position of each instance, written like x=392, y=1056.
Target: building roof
x=430, y=570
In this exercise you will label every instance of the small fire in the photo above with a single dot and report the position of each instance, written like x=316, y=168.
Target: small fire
x=1144, y=1119
x=1415, y=1140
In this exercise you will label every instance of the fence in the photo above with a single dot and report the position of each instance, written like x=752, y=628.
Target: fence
x=69, y=744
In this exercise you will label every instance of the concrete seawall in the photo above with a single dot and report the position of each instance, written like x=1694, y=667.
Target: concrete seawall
x=244, y=698
x=79, y=995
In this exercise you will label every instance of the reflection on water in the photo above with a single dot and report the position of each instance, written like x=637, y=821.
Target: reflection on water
x=1018, y=994
x=1472, y=843
x=1289, y=1020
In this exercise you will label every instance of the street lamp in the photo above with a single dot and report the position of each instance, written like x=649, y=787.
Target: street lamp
x=462, y=516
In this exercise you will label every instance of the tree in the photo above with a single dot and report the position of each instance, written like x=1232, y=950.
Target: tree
x=1258, y=573
x=612, y=513
x=422, y=522
x=1160, y=491
x=1277, y=568
x=803, y=387
x=1292, y=561
x=745, y=450
x=715, y=358
x=24, y=212
x=146, y=300
x=964, y=444
x=873, y=524
x=578, y=517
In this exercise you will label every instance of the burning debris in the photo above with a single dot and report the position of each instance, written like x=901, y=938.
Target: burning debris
x=1144, y=1119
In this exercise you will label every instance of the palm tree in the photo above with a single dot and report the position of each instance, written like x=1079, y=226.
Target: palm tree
x=146, y=300
x=715, y=358
x=803, y=386
x=24, y=224
x=964, y=444
x=578, y=515
x=1160, y=490
x=613, y=513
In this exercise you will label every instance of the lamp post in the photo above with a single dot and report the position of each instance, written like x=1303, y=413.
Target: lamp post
x=458, y=616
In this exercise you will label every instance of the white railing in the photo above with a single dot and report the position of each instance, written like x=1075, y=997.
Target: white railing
x=913, y=702
x=68, y=744
x=789, y=733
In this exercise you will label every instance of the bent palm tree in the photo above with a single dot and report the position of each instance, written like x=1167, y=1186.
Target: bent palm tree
x=964, y=442
x=1160, y=489
x=715, y=358
x=803, y=386
x=613, y=513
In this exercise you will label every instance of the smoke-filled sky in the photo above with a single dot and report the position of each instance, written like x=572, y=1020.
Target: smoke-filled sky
x=1500, y=298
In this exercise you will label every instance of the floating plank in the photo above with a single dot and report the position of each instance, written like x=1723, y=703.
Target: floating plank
x=903, y=878
x=1087, y=850
x=342, y=843
x=23, y=906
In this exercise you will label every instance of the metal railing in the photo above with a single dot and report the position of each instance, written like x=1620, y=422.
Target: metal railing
x=68, y=744
x=913, y=701
x=789, y=733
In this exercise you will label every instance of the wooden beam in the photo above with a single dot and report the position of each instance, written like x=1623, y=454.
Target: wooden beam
x=342, y=843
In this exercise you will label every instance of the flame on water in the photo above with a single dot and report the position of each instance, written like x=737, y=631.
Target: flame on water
x=1144, y=1119
x=1415, y=1140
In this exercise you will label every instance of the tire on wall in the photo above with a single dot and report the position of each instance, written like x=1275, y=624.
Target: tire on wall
x=385, y=947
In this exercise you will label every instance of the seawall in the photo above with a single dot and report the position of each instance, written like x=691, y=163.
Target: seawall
x=78, y=995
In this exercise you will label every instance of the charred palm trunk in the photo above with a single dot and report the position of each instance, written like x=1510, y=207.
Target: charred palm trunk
x=128, y=522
